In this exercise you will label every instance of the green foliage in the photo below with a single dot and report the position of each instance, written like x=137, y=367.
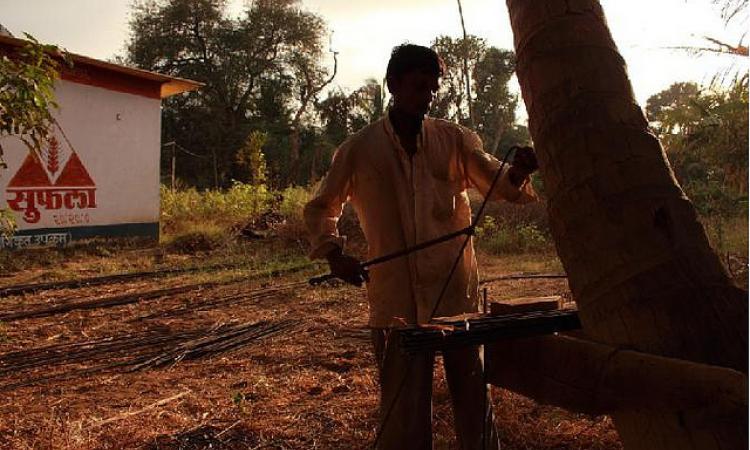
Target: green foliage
x=181, y=210
x=727, y=235
x=343, y=113
x=674, y=111
x=27, y=93
x=256, y=66
x=293, y=200
x=496, y=237
x=705, y=134
x=193, y=220
x=291, y=207
x=197, y=237
x=493, y=106
x=27, y=97
x=7, y=223
x=451, y=102
x=251, y=157
x=264, y=69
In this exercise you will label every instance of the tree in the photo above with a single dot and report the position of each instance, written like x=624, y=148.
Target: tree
x=314, y=80
x=250, y=157
x=705, y=134
x=27, y=96
x=26, y=101
x=343, y=114
x=732, y=12
x=451, y=101
x=492, y=104
x=368, y=103
x=638, y=261
x=674, y=111
x=261, y=70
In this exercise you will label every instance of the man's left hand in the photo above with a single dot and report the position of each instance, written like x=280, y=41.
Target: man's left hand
x=524, y=164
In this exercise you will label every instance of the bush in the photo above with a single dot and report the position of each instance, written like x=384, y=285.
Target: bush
x=197, y=238
x=291, y=208
x=496, y=237
x=181, y=210
x=727, y=235
x=293, y=200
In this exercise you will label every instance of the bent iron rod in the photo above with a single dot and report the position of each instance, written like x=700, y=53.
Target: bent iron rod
x=395, y=255
x=468, y=231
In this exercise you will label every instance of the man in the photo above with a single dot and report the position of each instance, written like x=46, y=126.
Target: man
x=406, y=176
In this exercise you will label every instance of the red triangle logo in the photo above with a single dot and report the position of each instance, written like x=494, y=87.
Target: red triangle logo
x=74, y=174
x=30, y=174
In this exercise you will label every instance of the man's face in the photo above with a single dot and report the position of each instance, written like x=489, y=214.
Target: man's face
x=414, y=91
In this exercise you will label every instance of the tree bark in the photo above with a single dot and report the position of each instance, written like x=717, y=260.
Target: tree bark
x=639, y=264
x=593, y=378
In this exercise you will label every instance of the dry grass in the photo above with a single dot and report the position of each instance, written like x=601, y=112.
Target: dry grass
x=314, y=387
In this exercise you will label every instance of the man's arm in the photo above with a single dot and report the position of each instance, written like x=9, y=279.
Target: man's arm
x=322, y=213
x=514, y=184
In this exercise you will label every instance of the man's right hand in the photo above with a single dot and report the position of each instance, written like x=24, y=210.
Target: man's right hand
x=346, y=267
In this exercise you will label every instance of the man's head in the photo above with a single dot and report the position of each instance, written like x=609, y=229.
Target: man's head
x=413, y=77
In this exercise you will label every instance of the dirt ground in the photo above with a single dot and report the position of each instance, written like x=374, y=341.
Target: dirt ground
x=312, y=386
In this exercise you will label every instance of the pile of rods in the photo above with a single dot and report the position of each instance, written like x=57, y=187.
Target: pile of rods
x=125, y=299
x=485, y=330
x=137, y=351
x=203, y=304
x=98, y=302
x=19, y=289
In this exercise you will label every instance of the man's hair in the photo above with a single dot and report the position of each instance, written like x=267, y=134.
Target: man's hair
x=408, y=57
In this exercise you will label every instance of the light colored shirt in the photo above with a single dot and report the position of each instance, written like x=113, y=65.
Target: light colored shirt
x=402, y=201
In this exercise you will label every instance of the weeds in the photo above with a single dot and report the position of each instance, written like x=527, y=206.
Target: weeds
x=291, y=206
x=727, y=235
x=196, y=237
x=496, y=237
x=181, y=210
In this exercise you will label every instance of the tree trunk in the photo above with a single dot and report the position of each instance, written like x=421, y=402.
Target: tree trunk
x=294, y=152
x=639, y=264
x=593, y=378
x=498, y=133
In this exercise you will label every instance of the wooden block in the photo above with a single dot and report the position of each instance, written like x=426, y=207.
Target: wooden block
x=525, y=305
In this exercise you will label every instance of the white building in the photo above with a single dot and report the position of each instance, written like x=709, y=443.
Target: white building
x=99, y=173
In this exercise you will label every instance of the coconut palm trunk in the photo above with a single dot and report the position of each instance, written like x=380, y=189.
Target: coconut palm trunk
x=639, y=263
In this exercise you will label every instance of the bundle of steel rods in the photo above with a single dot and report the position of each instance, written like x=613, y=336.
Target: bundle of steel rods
x=20, y=289
x=125, y=299
x=132, y=352
x=484, y=330
x=91, y=350
x=202, y=304
x=215, y=343
x=99, y=302
x=107, y=279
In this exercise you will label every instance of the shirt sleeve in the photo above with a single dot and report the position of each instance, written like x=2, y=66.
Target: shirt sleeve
x=322, y=213
x=480, y=169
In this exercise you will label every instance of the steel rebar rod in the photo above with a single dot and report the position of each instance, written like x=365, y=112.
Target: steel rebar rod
x=401, y=253
x=485, y=330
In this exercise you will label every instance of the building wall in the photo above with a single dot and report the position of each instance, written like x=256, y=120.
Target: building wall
x=114, y=190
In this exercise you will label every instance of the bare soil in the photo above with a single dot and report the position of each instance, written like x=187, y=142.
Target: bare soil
x=310, y=387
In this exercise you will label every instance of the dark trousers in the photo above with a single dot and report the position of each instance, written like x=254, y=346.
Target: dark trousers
x=408, y=378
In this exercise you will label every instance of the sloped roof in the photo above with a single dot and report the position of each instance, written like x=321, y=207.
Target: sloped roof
x=169, y=85
x=4, y=31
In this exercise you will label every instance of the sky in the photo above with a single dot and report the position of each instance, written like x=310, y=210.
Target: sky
x=365, y=31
